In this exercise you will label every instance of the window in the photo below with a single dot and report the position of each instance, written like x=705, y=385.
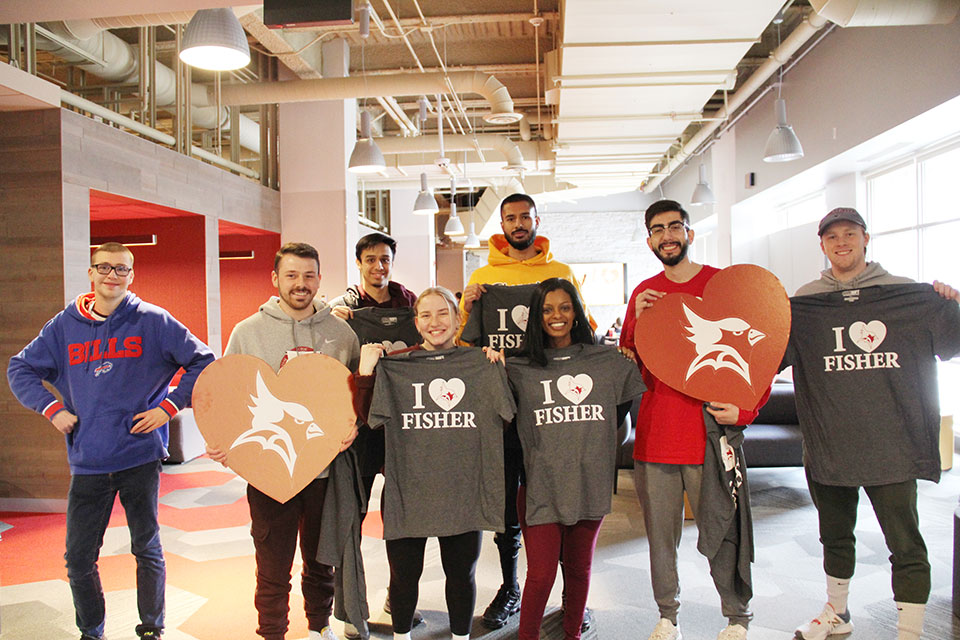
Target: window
x=375, y=209
x=913, y=217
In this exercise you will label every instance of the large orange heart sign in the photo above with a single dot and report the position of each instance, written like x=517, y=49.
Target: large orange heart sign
x=279, y=431
x=725, y=347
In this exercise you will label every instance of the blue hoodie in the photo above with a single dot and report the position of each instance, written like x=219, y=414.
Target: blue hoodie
x=107, y=371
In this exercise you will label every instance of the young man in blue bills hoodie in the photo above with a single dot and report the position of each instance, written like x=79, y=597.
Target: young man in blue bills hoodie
x=111, y=356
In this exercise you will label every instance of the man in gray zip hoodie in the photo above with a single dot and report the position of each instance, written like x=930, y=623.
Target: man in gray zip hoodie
x=844, y=239
x=291, y=324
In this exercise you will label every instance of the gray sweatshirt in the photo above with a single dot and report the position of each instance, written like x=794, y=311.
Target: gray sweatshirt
x=874, y=274
x=274, y=337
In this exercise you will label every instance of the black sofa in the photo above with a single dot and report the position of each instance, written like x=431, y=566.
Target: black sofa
x=773, y=440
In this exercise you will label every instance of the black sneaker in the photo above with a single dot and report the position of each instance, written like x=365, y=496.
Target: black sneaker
x=587, y=620
x=505, y=604
x=150, y=635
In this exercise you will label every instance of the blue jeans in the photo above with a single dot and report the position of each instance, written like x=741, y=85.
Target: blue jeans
x=88, y=512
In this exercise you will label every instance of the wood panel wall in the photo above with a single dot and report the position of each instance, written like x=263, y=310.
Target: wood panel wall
x=49, y=161
x=33, y=459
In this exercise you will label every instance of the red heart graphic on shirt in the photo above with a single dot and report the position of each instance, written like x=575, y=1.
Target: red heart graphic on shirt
x=279, y=431
x=725, y=347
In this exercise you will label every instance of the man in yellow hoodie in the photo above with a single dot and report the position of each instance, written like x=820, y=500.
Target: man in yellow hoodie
x=517, y=257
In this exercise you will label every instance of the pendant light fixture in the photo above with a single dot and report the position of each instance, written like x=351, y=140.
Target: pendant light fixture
x=215, y=40
x=702, y=193
x=366, y=156
x=426, y=204
x=473, y=240
x=454, y=226
x=783, y=144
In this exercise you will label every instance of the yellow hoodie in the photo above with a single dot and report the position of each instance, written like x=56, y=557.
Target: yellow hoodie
x=502, y=269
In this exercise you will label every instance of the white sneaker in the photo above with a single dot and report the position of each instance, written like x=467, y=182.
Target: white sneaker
x=326, y=633
x=665, y=630
x=733, y=632
x=828, y=623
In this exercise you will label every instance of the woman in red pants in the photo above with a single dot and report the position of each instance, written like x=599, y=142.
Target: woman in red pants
x=571, y=396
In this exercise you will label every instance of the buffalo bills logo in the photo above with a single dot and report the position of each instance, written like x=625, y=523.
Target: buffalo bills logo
x=104, y=368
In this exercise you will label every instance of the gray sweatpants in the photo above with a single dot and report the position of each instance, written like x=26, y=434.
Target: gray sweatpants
x=660, y=488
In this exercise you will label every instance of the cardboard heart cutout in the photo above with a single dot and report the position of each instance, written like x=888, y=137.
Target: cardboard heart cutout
x=725, y=347
x=279, y=431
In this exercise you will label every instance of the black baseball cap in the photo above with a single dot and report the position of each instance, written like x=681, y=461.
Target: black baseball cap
x=839, y=214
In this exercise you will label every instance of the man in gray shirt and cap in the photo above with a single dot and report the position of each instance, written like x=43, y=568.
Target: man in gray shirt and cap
x=892, y=488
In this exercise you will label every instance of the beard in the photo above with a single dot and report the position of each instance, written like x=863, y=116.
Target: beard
x=287, y=297
x=526, y=243
x=674, y=260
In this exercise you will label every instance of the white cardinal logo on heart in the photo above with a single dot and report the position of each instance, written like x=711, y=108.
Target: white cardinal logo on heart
x=575, y=388
x=446, y=393
x=520, y=314
x=868, y=335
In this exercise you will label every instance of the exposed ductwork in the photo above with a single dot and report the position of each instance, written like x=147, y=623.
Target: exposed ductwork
x=378, y=86
x=843, y=12
x=427, y=144
x=885, y=13
x=122, y=64
x=804, y=31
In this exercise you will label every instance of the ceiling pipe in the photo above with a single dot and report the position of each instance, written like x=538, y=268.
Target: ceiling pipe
x=810, y=24
x=884, y=13
x=843, y=12
x=407, y=84
x=427, y=144
x=122, y=64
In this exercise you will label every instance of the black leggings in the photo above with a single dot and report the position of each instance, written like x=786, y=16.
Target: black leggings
x=458, y=555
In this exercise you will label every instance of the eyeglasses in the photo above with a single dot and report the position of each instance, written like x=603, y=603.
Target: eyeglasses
x=104, y=269
x=677, y=226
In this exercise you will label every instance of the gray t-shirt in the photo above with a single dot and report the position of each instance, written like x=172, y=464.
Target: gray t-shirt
x=866, y=378
x=567, y=421
x=499, y=317
x=443, y=412
x=393, y=328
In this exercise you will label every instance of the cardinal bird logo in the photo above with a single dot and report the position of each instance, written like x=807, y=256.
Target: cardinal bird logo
x=721, y=344
x=267, y=426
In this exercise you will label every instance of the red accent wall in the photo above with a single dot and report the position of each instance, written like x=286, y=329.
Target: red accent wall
x=172, y=273
x=245, y=284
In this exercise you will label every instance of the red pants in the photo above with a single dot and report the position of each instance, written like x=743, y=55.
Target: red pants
x=544, y=545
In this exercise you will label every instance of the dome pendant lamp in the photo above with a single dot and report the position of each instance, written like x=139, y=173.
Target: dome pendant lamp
x=215, y=40
x=366, y=156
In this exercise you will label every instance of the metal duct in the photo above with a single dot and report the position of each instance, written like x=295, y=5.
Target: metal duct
x=428, y=144
x=379, y=86
x=804, y=31
x=122, y=65
x=886, y=13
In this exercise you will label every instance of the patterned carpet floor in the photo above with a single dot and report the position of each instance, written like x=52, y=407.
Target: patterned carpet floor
x=210, y=569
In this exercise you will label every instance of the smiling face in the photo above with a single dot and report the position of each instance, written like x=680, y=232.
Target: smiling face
x=375, y=265
x=519, y=224
x=436, y=321
x=110, y=287
x=558, y=318
x=297, y=281
x=845, y=245
x=669, y=244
